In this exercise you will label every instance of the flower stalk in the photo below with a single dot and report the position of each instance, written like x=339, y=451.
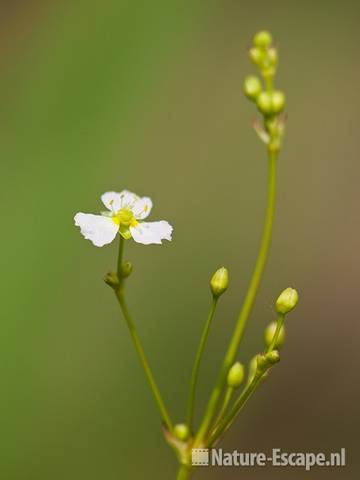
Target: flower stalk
x=119, y=292
x=279, y=325
x=197, y=362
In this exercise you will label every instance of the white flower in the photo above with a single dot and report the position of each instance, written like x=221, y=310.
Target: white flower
x=125, y=214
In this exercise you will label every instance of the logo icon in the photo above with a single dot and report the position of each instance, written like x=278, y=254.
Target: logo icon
x=200, y=457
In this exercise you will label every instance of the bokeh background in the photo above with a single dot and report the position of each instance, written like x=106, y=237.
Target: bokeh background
x=147, y=96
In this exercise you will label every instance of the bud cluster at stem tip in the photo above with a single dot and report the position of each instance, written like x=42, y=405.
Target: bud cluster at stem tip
x=219, y=282
x=269, y=101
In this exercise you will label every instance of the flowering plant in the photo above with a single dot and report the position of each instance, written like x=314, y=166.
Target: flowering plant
x=125, y=217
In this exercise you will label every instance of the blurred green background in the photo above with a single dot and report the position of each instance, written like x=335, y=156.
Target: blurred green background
x=96, y=96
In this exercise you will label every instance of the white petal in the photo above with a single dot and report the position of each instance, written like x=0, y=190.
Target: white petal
x=142, y=208
x=100, y=230
x=128, y=199
x=151, y=232
x=111, y=200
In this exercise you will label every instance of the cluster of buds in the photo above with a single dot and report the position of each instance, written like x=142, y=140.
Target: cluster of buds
x=261, y=363
x=269, y=101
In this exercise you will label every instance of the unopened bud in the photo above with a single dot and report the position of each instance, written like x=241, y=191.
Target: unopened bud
x=252, y=87
x=271, y=103
x=126, y=269
x=112, y=280
x=273, y=357
x=181, y=432
x=263, y=39
x=262, y=362
x=236, y=375
x=287, y=300
x=273, y=56
x=266, y=360
x=264, y=103
x=270, y=332
x=257, y=55
x=219, y=282
x=278, y=101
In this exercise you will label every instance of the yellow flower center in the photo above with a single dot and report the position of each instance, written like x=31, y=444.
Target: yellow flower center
x=124, y=218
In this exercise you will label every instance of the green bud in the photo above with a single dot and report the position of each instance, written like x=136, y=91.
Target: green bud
x=278, y=101
x=263, y=39
x=112, y=280
x=126, y=269
x=262, y=362
x=256, y=55
x=252, y=87
x=270, y=332
x=287, y=300
x=271, y=103
x=181, y=432
x=236, y=375
x=266, y=360
x=264, y=103
x=273, y=57
x=219, y=282
x=273, y=357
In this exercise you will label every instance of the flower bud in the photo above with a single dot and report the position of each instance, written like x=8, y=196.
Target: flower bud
x=264, y=103
x=263, y=39
x=252, y=87
x=126, y=269
x=273, y=357
x=256, y=55
x=269, y=335
x=112, y=280
x=273, y=56
x=219, y=282
x=278, y=101
x=271, y=103
x=262, y=362
x=236, y=375
x=287, y=300
x=266, y=360
x=181, y=432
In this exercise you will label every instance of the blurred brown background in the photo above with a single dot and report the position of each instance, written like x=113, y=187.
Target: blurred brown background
x=147, y=96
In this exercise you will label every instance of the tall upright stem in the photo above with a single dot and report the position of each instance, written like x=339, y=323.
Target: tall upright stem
x=248, y=302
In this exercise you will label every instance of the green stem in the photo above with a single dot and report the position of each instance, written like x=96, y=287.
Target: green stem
x=237, y=407
x=184, y=473
x=279, y=324
x=196, y=367
x=120, y=257
x=138, y=346
x=248, y=302
x=227, y=398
